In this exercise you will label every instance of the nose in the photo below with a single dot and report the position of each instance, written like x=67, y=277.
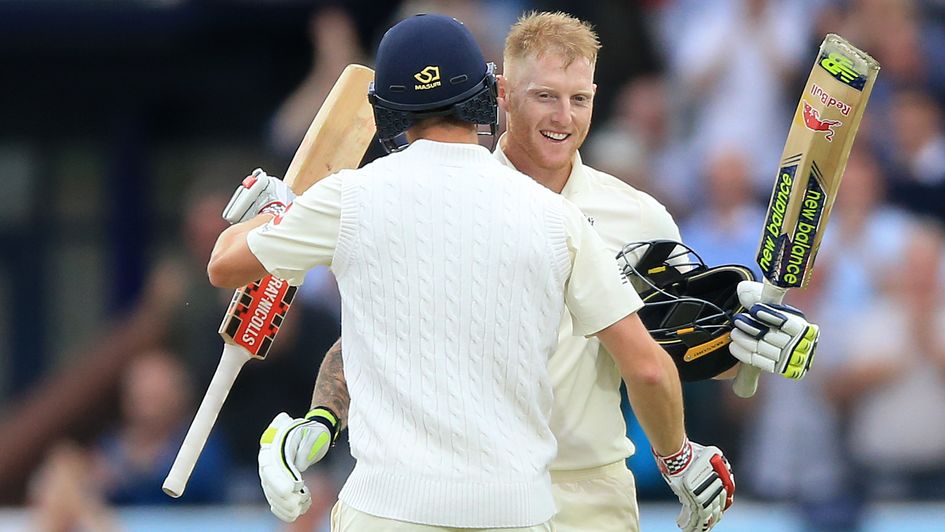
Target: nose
x=562, y=112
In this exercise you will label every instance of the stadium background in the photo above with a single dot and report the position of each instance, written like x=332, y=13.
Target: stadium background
x=126, y=123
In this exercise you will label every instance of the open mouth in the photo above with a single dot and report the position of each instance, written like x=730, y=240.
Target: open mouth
x=555, y=136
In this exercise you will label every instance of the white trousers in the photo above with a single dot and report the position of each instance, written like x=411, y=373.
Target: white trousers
x=602, y=499
x=346, y=519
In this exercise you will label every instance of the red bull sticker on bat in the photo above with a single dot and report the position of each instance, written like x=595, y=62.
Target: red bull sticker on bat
x=814, y=123
x=829, y=101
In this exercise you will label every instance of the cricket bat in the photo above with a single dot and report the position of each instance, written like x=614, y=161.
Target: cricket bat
x=337, y=139
x=812, y=164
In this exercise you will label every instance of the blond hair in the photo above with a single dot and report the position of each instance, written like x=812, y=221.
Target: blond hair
x=538, y=33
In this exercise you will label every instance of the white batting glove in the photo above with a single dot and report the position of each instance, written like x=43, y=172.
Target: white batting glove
x=773, y=338
x=288, y=447
x=258, y=193
x=702, y=479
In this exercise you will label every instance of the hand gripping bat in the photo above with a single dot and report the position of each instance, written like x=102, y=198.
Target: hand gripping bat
x=815, y=155
x=337, y=139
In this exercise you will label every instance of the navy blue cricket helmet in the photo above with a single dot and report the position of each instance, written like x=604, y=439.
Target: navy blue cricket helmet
x=430, y=65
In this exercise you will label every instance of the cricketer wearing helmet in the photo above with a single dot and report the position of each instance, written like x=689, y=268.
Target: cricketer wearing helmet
x=547, y=92
x=454, y=271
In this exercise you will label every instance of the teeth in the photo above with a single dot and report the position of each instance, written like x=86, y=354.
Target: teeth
x=555, y=136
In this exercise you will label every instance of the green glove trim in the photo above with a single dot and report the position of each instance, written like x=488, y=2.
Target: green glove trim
x=327, y=417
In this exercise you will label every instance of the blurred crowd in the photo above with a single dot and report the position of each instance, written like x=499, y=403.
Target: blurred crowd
x=101, y=366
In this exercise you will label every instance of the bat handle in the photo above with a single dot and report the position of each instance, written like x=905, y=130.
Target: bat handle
x=231, y=361
x=746, y=381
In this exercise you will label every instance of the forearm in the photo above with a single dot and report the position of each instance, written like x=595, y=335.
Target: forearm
x=658, y=405
x=231, y=264
x=331, y=388
x=653, y=385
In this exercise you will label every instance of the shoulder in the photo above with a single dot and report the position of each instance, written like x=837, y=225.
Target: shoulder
x=623, y=210
x=606, y=185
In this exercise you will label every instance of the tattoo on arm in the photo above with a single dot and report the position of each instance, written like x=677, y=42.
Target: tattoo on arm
x=331, y=388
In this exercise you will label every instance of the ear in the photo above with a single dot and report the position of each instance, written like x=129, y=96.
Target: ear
x=503, y=92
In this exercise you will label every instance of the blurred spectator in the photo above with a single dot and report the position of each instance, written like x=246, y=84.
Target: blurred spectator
x=638, y=144
x=725, y=224
x=735, y=62
x=63, y=500
x=134, y=457
x=919, y=185
x=76, y=488
x=892, y=382
x=865, y=231
x=335, y=44
x=907, y=42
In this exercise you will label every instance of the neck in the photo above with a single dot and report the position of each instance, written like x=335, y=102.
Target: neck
x=444, y=133
x=553, y=179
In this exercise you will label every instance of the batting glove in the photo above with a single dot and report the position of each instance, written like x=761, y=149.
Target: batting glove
x=288, y=447
x=773, y=338
x=258, y=193
x=702, y=479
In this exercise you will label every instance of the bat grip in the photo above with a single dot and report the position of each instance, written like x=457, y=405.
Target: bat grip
x=746, y=381
x=231, y=362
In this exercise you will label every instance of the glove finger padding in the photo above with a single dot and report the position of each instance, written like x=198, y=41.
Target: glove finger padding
x=280, y=478
x=784, y=317
x=774, y=338
x=750, y=326
x=312, y=439
x=258, y=193
x=702, y=479
x=747, y=350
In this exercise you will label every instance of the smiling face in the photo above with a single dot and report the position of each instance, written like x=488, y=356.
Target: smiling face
x=548, y=105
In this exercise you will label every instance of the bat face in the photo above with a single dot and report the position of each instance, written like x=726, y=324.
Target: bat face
x=340, y=133
x=337, y=138
x=815, y=154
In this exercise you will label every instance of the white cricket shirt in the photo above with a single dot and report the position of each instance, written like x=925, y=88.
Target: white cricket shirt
x=453, y=271
x=586, y=418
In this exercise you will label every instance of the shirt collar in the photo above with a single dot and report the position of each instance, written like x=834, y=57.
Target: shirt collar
x=577, y=180
x=447, y=153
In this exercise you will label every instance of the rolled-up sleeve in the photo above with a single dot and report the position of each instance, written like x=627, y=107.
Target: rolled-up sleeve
x=304, y=236
x=596, y=294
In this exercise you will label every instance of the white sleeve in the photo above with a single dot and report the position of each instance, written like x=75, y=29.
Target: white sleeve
x=596, y=293
x=304, y=236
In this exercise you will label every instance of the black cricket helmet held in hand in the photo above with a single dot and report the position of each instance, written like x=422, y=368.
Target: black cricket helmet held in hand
x=688, y=306
x=430, y=65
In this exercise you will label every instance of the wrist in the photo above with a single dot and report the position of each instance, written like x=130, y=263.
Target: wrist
x=673, y=463
x=326, y=416
x=275, y=208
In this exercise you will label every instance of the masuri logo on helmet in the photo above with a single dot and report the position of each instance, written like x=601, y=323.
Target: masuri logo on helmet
x=429, y=77
x=440, y=53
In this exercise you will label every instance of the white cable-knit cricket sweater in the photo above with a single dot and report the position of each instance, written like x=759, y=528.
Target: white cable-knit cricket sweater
x=451, y=270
